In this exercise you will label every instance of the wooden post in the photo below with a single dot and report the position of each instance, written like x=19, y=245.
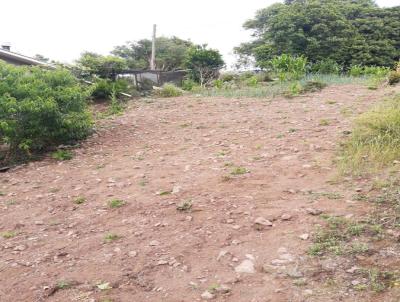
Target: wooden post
x=153, y=49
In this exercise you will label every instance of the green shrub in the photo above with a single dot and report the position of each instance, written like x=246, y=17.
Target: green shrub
x=189, y=84
x=170, y=90
x=289, y=67
x=62, y=155
x=227, y=77
x=313, y=86
x=378, y=71
x=103, y=88
x=252, y=81
x=394, y=77
x=218, y=84
x=40, y=108
x=326, y=67
x=263, y=77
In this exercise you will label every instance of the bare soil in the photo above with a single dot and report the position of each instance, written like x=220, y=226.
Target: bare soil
x=231, y=160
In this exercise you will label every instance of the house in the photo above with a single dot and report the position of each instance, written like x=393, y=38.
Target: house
x=17, y=59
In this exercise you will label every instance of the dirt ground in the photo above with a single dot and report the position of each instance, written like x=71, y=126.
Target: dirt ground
x=195, y=174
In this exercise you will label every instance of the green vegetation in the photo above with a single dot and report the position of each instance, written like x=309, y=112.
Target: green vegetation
x=8, y=234
x=341, y=32
x=239, y=171
x=62, y=155
x=204, y=64
x=39, y=109
x=80, y=200
x=116, y=203
x=170, y=90
x=375, y=140
x=110, y=237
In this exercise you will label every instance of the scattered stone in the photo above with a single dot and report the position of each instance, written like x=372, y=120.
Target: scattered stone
x=162, y=262
x=352, y=270
x=304, y=236
x=246, y=267
x=294, y=273
x=221, y=254
x=286, y=217
x=207, y=295
x=313, y=212
x=261, y=223
x=20, y=248
x=223, y=289
x=287, y=257
x=132, y=254
x=154, y=243
x=307, y=292
x=359, y=190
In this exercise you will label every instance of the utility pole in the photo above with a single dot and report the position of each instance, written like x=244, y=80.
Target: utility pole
x=153, y=49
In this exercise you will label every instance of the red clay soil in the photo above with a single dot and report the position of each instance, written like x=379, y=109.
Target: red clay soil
x=232, y=160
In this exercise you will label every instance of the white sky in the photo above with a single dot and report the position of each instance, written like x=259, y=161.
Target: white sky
x=62, y=29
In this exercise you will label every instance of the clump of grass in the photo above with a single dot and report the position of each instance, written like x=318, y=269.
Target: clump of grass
x=170, y=90
x=324, y=122
x=62, y=155
x=8, y=234
x=79, y=200
x=375, y=140
x=63, y=285
x=116, y=203
x=110, y=237
x=239, y=171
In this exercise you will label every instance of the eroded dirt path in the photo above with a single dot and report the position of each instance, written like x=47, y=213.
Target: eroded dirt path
x=188, y=147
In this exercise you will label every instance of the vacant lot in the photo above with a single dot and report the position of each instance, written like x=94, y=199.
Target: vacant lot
x=161, y=204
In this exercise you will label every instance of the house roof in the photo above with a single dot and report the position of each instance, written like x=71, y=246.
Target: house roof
x=13, y=56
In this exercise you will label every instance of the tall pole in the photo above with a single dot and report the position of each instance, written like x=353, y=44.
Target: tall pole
x=153, y=49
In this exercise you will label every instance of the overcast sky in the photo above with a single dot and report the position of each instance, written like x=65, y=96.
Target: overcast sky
x=62, y=29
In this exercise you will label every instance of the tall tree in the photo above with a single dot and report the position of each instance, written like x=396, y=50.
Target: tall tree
x=204, y=63
x=170, y=53
x=346, y=31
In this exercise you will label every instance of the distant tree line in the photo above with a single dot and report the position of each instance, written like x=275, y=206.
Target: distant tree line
x=348, y=32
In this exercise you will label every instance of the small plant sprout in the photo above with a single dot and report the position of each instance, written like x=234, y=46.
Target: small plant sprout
x=239, y=171
x=79, y=200
x=8, y=234
x=110, y=237
x=116, y=203
x=324, y=122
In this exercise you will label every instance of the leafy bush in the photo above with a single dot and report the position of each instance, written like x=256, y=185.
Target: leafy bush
x=326, y=67
x=288, y=67
x=62, y=155
x=103, y=88
x=264, y=77
x=218, y=84
x=378, y=71
x=189, y=84
x=40, y=108
x=313, y=86
x=227, y=77
x=170, y=90
x=252, y=81
x=394, y=77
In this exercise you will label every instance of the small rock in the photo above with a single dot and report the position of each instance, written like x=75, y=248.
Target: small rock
x=223, y=289
x=20, y=248
x=294, y=273
x=304, y=236
x=132, y=254
x=260, y=223
x=154, y=243
x=207, y=295
x=314, y=212
x=39, y=222
x=286, y=217
x=221, y=254
x=355, y=282
x=162, y=262
x=307, y=292
x=352, y=270
x=246, y=267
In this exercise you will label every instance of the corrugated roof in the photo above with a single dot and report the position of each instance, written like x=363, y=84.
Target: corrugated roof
x=5, y=54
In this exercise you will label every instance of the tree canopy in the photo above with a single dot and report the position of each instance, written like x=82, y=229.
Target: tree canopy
x=106, y=67
x=170, y=53
x=348, y=32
